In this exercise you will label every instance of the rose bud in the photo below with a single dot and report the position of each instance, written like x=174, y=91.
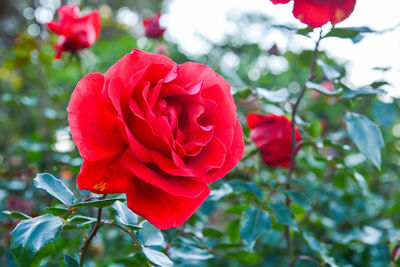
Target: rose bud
x=76, y=32
x=317, y=13
x=158, y=131
x=272, y=135
x=152, y=26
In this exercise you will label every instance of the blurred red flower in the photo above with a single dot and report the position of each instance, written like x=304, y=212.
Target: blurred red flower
x=158, y=131
x=152, y=27
x=76, y=32
x=316, y=13
x=271, y=134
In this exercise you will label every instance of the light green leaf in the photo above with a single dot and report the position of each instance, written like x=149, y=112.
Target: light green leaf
x=253, y=223
x=55, y=187
x=320, y=249
x=329, y=72
x=366, y=135
x=30, y=235
x=124, y=214
x=150, y=235
x=322, y=89
x=156, y=257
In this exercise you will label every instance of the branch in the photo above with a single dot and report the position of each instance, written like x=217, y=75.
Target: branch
x=293, y=136
x=90, y=237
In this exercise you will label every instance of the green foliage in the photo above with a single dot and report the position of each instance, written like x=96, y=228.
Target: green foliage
x=253, y=223
x=55, y=187
x=366, y=135
x=33, y=234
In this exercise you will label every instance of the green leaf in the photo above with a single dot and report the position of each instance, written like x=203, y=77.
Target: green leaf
x=316, y=128
x=70, y=262
x=353, y=33
x=305, y=31
x=54, y=187
x=300, y=198
x=283, y=214
x=98, y=203
x=30, y=235
x=350, y=93
x=57, y=210
x=319, y=249
x=82, y=220
x=253, y=223
x=150, y=235
x=366, y=135
x=232, y=229
x=240, y=187
x=246, y=258
x=156, y=257
x=211, y=232
x=124, y=214
x=329, y=72
x=276, y=96
x=322, y=89
x=17, y=215
x=385, y=114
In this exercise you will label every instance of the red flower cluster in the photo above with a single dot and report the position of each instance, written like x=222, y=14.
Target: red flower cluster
x=316, y=13
x=159, y=131
x=271, y=133
x=152, y=27
x=76, y=32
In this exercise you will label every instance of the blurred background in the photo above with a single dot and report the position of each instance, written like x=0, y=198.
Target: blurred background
x=254, y=45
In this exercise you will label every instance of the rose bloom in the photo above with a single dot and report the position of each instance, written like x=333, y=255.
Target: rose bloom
x=152, y=26
x=76, y=32
x=272, y=135
x=316, y=13
x=158, y=131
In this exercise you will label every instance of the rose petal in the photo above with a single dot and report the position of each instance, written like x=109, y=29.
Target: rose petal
x=160, y=208
x=173, y=185
x=104, y=176
x=234, y=155
x=97, y=137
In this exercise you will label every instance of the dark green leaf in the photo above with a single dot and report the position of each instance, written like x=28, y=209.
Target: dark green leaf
x=17, y=215
x=98, y=203
x=320, y=88
x=366, y=135
x=353, y=33
x=329, y=72
x=247, y=258
x=29, y=236
x=253, y=223
x=70, y=262
x=156, y=257
x=305, y=31
x=240, y=187
x=82, y=220
x=57, y=210
x=211, y=232
x=150, y=235
x=283, y=214
x=300, y=198
x=124, y=214
x=55, y=187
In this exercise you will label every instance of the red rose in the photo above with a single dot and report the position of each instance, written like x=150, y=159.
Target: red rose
x=76, y=32
x=272, y=135
x=316, y=13
x=152, y=26
x=159, y=131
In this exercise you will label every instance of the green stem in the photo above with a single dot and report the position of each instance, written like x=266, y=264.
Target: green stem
x=293, y=137
x=90, y=237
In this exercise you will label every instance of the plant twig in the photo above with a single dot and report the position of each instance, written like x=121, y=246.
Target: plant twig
x=90, y=237
x=129, y=232
x=295, y=107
